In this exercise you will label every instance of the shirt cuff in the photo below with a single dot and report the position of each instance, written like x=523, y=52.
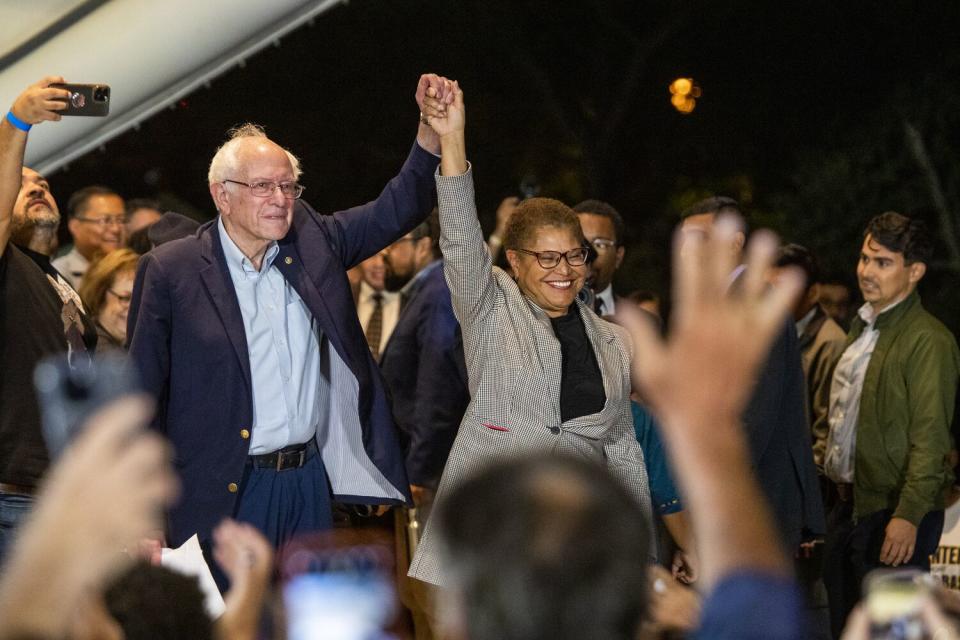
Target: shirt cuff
x=435, y=155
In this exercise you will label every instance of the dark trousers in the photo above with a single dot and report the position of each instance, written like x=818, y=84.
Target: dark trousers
x=852, y=550
x=14, y=509
x=284, y=503
x=281, y=504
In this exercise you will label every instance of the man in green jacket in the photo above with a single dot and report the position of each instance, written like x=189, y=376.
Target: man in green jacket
x=891, y=403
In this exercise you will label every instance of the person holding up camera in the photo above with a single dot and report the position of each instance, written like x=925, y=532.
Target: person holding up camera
x=40, y=314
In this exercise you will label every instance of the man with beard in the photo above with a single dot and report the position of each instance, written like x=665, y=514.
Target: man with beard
x=40, y=314
x=377, y=308
x=423, y=361
x=424, y=370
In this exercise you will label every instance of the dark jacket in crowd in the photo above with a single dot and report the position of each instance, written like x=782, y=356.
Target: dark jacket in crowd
x=425, y=373
x=776, y=423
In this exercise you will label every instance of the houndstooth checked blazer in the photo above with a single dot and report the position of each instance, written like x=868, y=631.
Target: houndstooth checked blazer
x=513, y=364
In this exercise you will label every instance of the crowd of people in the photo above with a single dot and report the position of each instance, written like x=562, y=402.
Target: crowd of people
x=552, y=459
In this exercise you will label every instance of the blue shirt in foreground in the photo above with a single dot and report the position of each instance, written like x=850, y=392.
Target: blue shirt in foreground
x=752, y=605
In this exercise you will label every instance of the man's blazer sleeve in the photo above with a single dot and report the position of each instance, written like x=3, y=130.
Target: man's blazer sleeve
x=405, y=202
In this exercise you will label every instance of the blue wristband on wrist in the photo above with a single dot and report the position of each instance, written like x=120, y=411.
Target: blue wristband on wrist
x=17, y=122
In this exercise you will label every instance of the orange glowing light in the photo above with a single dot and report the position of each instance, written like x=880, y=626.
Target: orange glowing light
x=684, y=92
x=681, y=86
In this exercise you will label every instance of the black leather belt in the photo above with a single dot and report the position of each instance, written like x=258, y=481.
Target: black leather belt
x=292, y=457
x=16, y=489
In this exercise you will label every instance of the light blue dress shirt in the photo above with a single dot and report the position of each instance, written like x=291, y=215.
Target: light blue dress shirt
x=283, y=342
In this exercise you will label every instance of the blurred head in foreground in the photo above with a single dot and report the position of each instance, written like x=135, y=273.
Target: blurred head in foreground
x=544, y=547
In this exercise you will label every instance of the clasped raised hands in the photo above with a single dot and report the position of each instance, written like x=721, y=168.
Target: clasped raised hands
x=439, y=91
x=442, y=108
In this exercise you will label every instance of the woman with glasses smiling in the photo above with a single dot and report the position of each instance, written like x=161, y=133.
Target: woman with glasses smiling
x=106, y=292
x=546, y=373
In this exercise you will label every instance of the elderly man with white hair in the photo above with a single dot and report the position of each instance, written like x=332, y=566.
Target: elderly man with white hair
x=247, y=335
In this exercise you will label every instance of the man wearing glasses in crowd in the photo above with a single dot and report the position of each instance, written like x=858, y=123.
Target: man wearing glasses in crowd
x=247, y=334
x=603, y=228
x=96, y=218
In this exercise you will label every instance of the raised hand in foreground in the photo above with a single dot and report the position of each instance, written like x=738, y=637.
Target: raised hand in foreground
x=698, y=382
x=106, y=493
x=247, y=558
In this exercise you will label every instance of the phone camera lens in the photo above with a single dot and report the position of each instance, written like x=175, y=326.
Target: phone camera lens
x=77, y=100
x=100, y=94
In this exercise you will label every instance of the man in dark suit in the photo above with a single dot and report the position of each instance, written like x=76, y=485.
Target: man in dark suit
x=821, y=341
x=247, y=335
x=424, y=370
x=604, y=229
x=775, y=418
x=423, y=362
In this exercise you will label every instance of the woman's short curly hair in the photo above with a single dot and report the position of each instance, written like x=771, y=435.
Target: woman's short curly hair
x=533, y=214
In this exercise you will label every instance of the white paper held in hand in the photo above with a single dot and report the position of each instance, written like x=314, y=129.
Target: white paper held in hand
x=188, y=560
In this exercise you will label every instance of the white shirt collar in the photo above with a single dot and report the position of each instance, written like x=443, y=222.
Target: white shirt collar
x=236, y=257
x=805, y=321
x=868, y=315
x=367, y=292
x=609, y=304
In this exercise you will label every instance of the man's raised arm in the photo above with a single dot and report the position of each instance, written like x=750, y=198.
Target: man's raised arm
x=37, y=103
x=408, y=198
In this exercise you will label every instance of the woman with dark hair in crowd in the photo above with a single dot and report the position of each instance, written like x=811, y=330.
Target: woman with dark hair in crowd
x=546, y=373
x=106, y=294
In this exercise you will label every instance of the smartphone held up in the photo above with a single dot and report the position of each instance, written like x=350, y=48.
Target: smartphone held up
x=86, y=99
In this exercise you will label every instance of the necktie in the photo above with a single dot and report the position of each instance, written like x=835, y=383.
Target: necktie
x=374, y=328
x=598, y=305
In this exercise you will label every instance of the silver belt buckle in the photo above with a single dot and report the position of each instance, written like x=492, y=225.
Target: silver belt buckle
x=281, y=456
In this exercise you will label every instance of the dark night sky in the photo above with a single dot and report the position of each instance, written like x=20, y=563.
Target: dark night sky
x=778, y=81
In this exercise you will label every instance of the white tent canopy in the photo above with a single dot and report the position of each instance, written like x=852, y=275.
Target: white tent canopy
x=151, y=53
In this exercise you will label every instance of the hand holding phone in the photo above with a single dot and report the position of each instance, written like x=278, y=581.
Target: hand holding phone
x=39, y=102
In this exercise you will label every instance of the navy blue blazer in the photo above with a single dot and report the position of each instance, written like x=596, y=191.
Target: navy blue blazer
x=781, y=445
x=426, y=375
x=187, y=340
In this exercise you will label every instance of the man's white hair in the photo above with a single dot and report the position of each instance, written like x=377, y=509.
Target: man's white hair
x=225, y=163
